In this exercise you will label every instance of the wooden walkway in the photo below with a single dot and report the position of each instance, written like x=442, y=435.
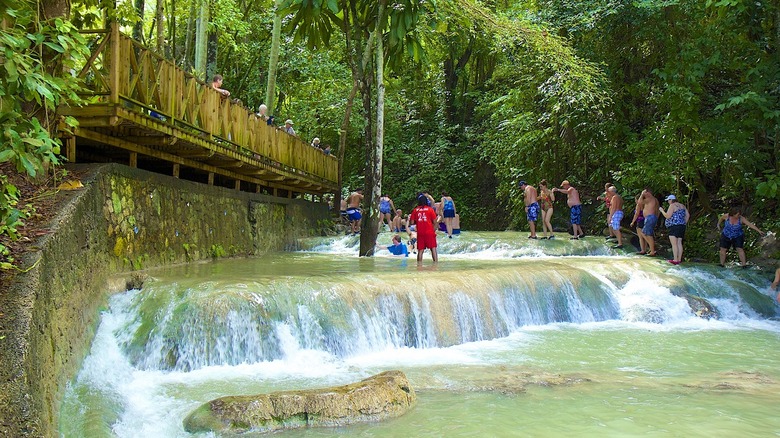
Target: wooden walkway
x=143, y=109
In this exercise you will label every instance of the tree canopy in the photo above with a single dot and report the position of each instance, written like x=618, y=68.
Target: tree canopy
x=679, y=95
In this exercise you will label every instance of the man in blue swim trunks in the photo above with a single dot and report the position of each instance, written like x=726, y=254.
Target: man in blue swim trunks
x=650, y=212
x=573, y=200
x=531, y=206
x=353, y=210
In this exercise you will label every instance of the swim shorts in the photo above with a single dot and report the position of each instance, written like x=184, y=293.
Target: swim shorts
x=677, y=231
x=449, y=212
x=533, y=212
x=354, y=214
x=616, y=218
x=426, y=241
x=576, y=214
x=737, y=242
x=650, y=221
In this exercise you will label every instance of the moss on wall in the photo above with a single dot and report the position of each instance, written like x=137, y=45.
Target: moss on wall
x=123, y=220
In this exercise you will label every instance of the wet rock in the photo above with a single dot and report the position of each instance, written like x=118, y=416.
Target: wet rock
x=699, y=306
x=385, y=395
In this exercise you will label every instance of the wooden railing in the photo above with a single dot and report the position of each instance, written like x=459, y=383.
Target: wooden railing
x=122, y=71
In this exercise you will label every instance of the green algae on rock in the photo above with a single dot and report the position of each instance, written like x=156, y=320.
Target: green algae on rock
x=385, y=395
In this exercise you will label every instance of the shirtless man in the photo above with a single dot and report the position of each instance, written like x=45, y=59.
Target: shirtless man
x=216, y=84
x=615, y=215
x=650, y=212
x=531, y=206
x=607, y=197
x=353, y=210
x=573, y=200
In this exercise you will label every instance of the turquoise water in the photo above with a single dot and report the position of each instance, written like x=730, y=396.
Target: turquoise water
x=504, y=337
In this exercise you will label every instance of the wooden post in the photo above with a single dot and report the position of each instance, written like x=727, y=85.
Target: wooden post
x=211, y=178
x=134, y=159
x=276, y=191
x=114, y=68
x=70, y=149
x=176, y=167
x=258, y=188
x=238, y=184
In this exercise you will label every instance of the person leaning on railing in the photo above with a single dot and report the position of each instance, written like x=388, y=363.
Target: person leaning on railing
x=216, y=84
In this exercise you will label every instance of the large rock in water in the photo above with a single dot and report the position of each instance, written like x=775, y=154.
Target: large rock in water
x=385, y=395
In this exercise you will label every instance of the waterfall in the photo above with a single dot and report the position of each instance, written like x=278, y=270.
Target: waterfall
x=176, y=327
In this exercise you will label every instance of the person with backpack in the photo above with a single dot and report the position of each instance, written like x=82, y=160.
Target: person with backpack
x=447, y=212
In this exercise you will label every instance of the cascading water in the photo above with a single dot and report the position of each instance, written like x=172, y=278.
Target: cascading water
x=497, y=317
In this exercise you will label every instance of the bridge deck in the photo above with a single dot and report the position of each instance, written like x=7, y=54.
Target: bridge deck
x=141, y=107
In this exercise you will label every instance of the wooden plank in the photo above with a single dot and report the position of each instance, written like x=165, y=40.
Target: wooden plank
x=176, y=170
x=211, y=178
x=238, y=185
x=134, y=159
x=116, y=142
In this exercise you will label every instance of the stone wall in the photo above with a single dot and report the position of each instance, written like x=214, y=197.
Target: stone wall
x=123, y=220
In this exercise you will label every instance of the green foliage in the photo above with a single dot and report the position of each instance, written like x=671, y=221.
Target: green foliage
x=217, y=251
x=34, y=55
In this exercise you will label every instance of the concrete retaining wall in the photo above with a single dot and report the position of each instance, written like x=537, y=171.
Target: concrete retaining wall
x=123, y=220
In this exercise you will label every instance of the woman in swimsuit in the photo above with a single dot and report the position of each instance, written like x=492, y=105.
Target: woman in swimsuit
x=386, y=209
x=677, y=217
x=546, y=199
x=733, y=235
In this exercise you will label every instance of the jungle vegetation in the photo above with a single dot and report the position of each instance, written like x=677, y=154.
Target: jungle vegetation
x=466, y=96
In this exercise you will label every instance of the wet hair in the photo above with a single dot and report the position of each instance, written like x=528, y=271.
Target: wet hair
x=397, y=238
x=443, y=193
x=733, y=211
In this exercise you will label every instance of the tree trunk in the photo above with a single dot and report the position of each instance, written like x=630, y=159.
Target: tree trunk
x=188, y=38
x=273, y=60
x=343, y=141
x=201, y=40
x=374, y=152
x=138, y=28
x=160, y=26
x=172, y=31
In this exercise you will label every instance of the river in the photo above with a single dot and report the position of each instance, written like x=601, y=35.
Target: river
x=504, y=337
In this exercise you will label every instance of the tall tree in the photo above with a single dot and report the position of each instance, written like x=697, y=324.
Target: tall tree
x=360, y=21
x=201, y=39
x=273, y=59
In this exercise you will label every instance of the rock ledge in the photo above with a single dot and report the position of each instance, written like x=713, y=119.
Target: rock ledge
x=385, y=395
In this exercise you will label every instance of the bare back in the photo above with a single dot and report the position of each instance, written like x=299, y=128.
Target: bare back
x=354, y=200
x=530, y=195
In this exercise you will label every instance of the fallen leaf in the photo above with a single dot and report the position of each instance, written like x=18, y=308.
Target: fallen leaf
x=73, y=184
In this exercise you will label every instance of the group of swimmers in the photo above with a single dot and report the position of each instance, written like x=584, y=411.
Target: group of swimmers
x=421, y=225
x=646, y=215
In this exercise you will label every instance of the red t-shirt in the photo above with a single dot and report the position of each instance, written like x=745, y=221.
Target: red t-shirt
x=424, y=217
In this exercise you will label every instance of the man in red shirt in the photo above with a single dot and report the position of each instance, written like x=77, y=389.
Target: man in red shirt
x=424, y=218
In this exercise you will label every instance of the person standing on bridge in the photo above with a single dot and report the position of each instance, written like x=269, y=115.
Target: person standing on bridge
x=216, y=84
x=288, y=127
